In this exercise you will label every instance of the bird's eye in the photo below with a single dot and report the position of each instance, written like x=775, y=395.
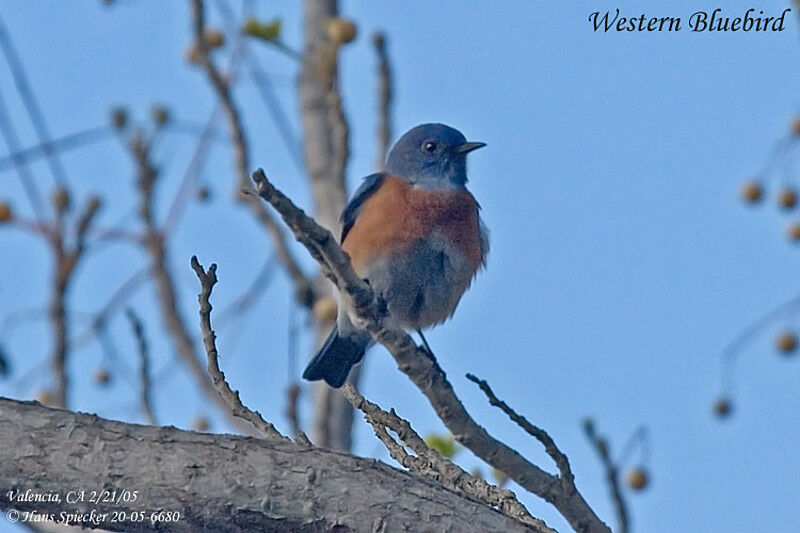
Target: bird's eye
x=429, y=146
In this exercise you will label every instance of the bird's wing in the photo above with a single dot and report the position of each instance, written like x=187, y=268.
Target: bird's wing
x=370, y=184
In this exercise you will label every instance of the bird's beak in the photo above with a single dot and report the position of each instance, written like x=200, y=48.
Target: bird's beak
x=468, y=147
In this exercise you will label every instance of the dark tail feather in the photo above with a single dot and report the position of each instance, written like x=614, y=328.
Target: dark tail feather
x=335, y=359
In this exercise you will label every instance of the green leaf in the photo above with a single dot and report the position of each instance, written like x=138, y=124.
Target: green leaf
x=446, y=445
x=269, y=31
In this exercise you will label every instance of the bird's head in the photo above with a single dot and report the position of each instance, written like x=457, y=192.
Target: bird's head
x=433, y=156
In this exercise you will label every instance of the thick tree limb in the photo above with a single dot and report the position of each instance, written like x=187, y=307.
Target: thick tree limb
x=219, y=482
x=422, y=370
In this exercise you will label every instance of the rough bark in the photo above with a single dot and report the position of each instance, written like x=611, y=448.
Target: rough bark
x=218, y=482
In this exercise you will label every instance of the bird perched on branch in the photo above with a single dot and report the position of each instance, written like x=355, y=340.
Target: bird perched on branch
x=414, y=232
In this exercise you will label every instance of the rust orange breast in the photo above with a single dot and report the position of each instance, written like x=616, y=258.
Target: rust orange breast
x=398, y=215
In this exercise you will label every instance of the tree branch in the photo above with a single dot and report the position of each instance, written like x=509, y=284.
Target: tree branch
x=422, y=370
x=217, y=482
x=66, y=258
x=428, y=462
x=207, y=281
x=538, y=433
x=600, y=446
x=155, y=245
x=145, y=394
x=384, y=98
x=302, y=285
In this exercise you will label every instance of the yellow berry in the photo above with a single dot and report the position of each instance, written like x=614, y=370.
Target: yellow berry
x=786, y=342
x=203, y=194
x=637, y=479
x=723, y=407
x=119, y=118
x=751, y=192
x=795, y=128
x=61, y=200
x=341, y=31
x=201, y=423
x=45, y=397
x=192, y=55
x=787, y=198
x=6, y=213
x=793, y=231
x=213, y=38
x=102, y=376
x=160, y=114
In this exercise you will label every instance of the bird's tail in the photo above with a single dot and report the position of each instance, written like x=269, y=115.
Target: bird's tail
x=336, y=357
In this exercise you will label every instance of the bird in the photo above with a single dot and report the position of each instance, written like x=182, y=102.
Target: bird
x=413, y=231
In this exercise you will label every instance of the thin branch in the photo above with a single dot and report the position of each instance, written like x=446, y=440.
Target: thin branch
x=292, y=397
x=384, y=98
x=208, y=278
x=265, y=89
x=536, y=432
x=190, y=175
x=145, y=394
x=62, y=144
x=123, y=292
x=426, y=374
x=24, y=173
x=600, y=446
x=156, y=246
x=428, y=462
x=302, y=285
x=250, y=295
x=65, y=261
x=32, y=107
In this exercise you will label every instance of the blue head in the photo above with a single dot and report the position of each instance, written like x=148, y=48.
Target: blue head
x=433, y=156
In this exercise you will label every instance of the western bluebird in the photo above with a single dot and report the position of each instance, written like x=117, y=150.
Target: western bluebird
x=414, y=232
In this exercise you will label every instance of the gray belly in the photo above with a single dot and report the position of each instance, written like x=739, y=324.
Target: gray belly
x=422, y=286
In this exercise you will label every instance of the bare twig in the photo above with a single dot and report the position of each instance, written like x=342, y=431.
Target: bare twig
x=303, y=287
x=265, y=89
x=250, y=295
x=428, y=462
x=208, y=278
x=32, y=107
x=66, y=259
x=145, y=394
x=600, y=445
x=25, y=176
x=384, y=98
x=421, y=369
x=68, y=142
x=536, y=432
x=156, y=246
x=292, y=397
x=189, y=176
x=119, y=296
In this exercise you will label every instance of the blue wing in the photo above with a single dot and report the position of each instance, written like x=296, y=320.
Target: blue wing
x=370, y=184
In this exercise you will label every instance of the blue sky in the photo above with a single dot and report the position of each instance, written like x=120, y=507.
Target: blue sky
x=622, y=261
